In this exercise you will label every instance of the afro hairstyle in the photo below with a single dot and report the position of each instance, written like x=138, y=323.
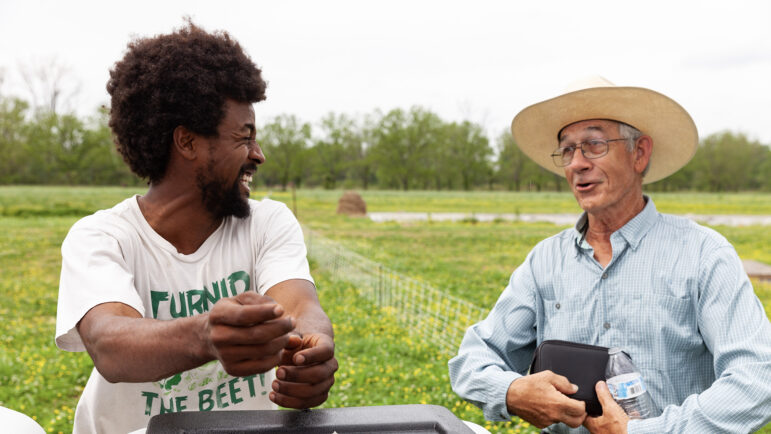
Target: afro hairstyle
x=177, y=79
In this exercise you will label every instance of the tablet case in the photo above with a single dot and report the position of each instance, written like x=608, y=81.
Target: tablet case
x=582, y=364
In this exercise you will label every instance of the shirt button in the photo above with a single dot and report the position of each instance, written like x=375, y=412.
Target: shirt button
x=604, y=275
x=557, y=305
x=606, y=325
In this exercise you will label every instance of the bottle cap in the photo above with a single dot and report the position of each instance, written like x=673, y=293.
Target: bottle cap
x=614, y=350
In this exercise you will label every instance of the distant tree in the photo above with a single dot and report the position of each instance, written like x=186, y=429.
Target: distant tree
x=516, y=171
x=359, y=156
x=511, y=162
x=13, y=146
x=764, y=172
x=331, y=151
x=402, y=146
x=284, y=141
x=99, y=161
x=681, y=180
x=467, y=153
x=729, y=162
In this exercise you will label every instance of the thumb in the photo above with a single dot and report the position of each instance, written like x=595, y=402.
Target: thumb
x=603, y=393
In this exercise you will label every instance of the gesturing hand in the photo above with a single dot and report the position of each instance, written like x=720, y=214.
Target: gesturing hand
x=540, y=399
x=613, y=419
x=246, y=333
x=306, y=372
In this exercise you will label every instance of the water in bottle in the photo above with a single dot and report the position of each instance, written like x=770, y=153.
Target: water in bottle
x=627, y=387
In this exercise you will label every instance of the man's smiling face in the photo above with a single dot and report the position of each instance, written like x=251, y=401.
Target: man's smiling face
x=231, y=161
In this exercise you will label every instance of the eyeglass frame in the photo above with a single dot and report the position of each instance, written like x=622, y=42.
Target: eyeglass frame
x=557, y=154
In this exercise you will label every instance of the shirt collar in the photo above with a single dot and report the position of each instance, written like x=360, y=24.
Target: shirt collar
x=633, y=231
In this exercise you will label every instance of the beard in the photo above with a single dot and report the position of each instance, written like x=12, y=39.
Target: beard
x=222, y=200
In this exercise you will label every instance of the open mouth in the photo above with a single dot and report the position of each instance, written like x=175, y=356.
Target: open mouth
x=246, y=179
x=584, y=186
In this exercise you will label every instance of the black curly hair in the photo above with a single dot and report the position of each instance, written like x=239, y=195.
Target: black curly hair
x=182, y=78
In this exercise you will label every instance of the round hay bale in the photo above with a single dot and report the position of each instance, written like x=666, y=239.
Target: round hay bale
x=351, y=204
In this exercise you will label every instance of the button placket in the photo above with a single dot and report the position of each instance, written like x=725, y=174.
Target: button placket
x=604, y=289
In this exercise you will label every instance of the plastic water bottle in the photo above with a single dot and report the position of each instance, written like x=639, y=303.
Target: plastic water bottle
x=627, y=386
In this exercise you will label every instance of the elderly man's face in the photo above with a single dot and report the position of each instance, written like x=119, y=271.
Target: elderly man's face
x=607, y=184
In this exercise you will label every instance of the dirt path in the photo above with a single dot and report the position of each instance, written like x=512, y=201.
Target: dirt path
x=560, y=219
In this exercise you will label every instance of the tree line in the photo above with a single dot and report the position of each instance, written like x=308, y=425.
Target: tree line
x=400, y=149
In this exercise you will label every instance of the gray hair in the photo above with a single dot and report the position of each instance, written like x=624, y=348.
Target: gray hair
x=632, y=134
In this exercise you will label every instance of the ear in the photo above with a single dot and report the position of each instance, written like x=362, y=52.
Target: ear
x=185, y=143
x=642, y=153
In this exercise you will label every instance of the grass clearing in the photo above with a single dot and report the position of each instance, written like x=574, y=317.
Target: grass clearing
x=379, y=362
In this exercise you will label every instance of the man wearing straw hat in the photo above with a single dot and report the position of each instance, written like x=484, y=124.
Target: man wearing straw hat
x=671, y=293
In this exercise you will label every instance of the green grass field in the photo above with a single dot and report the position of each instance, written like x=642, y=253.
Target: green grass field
x=379, y=363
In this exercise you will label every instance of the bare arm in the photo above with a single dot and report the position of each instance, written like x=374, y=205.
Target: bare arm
x=246, y=333
x=307, y=368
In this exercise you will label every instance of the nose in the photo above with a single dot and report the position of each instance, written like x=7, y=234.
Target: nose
x=579, y=161
x=255, y=153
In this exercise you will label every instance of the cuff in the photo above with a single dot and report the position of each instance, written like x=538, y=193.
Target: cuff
x=496, y=398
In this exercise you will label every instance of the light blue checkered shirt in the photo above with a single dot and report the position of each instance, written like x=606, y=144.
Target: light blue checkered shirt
x=674, y=296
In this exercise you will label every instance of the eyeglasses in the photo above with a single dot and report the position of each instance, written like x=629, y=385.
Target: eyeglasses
x=594, y=148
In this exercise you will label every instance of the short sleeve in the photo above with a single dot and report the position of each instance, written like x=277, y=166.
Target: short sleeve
x=282, y=254
x=94, y=271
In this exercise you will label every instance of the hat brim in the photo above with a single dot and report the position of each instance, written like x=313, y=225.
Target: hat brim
x=672, y=129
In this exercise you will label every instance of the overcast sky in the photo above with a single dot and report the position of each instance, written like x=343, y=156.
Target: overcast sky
x=477, y=60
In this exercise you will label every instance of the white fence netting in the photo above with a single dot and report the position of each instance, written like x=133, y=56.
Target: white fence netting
x=418, y=307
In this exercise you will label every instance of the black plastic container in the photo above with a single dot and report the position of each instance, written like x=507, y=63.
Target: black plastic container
x=414, y=418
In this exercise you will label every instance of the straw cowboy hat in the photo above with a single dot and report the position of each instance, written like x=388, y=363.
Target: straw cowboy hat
x=535, y=129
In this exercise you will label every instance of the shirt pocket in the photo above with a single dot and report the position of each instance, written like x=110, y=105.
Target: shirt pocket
x=662, y=328
x=568, y=319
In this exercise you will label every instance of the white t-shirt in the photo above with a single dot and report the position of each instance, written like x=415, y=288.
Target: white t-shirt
x=115, y=256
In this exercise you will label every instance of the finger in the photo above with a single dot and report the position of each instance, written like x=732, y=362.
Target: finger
x=235, y=314
x=300, y=395
x=235, y=353
x=250, y=367
x=262, y=333
x=316, y=349
x=591, y=423
x=302, y=390
x=575, y=422
x=564, y=385
x=573, y=412
x=307, y=374
x=295, y=342
x=574, y=408
x=297, y=403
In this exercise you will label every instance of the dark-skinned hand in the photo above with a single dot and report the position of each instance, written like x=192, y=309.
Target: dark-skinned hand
x=247, y=334
x=306, y=372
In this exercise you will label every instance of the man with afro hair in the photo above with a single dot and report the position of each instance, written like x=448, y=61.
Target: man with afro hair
x=191, y=297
